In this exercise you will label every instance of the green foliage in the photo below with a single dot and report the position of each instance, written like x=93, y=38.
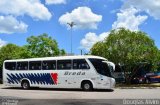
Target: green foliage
x=62, y=52
x=159, y=55
x=38, y=46
x=12, y=51
x=43, y=46
x=127, y=47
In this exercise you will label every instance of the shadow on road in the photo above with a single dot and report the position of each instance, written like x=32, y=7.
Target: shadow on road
x=60, y=89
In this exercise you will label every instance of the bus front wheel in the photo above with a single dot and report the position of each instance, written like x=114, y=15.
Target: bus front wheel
x=25, y=84
x=87, y=86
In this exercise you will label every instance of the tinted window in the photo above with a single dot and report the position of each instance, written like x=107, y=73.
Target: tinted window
x=35, y=65
x=80, y=64
x=101, y=67
x=22, y=66
x=10, y=65
x=63, y=64
x=49, y=65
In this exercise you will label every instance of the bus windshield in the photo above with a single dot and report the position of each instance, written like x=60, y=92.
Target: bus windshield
x=101, y=67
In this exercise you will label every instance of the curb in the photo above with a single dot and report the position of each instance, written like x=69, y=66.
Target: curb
x=137, y=87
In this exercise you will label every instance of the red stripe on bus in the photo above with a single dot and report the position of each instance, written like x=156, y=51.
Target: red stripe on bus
x=54, y=77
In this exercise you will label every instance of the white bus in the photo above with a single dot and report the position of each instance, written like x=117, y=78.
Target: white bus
x=85, y=72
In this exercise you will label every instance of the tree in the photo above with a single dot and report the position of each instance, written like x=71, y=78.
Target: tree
x=12, y=51
x=40, y=46
x=62, y=52
x=159, y=56
x=127, y=47
x=43, y=46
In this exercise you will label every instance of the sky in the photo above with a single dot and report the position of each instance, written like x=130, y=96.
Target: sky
x=93, y=20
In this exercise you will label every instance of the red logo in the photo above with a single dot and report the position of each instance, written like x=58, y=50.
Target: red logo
x=54, y=77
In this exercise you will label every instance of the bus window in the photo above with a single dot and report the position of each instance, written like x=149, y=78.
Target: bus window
x=10, y=65
x=35, y=65
x=22, y=65
x=80, y=64
x=101, y=67
x=64, y=64
x=49, y=65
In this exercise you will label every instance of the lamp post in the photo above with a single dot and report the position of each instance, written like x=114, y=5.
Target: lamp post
x=71, y=24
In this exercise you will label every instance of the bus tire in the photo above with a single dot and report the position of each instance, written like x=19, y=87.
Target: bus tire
x=25, y=84
x=87, y=86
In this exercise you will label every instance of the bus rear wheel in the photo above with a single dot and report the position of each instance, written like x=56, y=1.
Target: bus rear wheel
x=25, y=84
x=87, y=86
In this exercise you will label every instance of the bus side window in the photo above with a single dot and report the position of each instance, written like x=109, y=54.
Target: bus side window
x=22, y=65
x=49, y=65
x=64, y=64
x=10, y=65
x=80, y=64
x=35, y=65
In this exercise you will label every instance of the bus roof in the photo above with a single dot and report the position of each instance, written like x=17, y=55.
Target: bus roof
x=59, y=58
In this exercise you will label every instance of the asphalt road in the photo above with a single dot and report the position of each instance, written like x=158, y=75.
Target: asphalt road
x=76, y=97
